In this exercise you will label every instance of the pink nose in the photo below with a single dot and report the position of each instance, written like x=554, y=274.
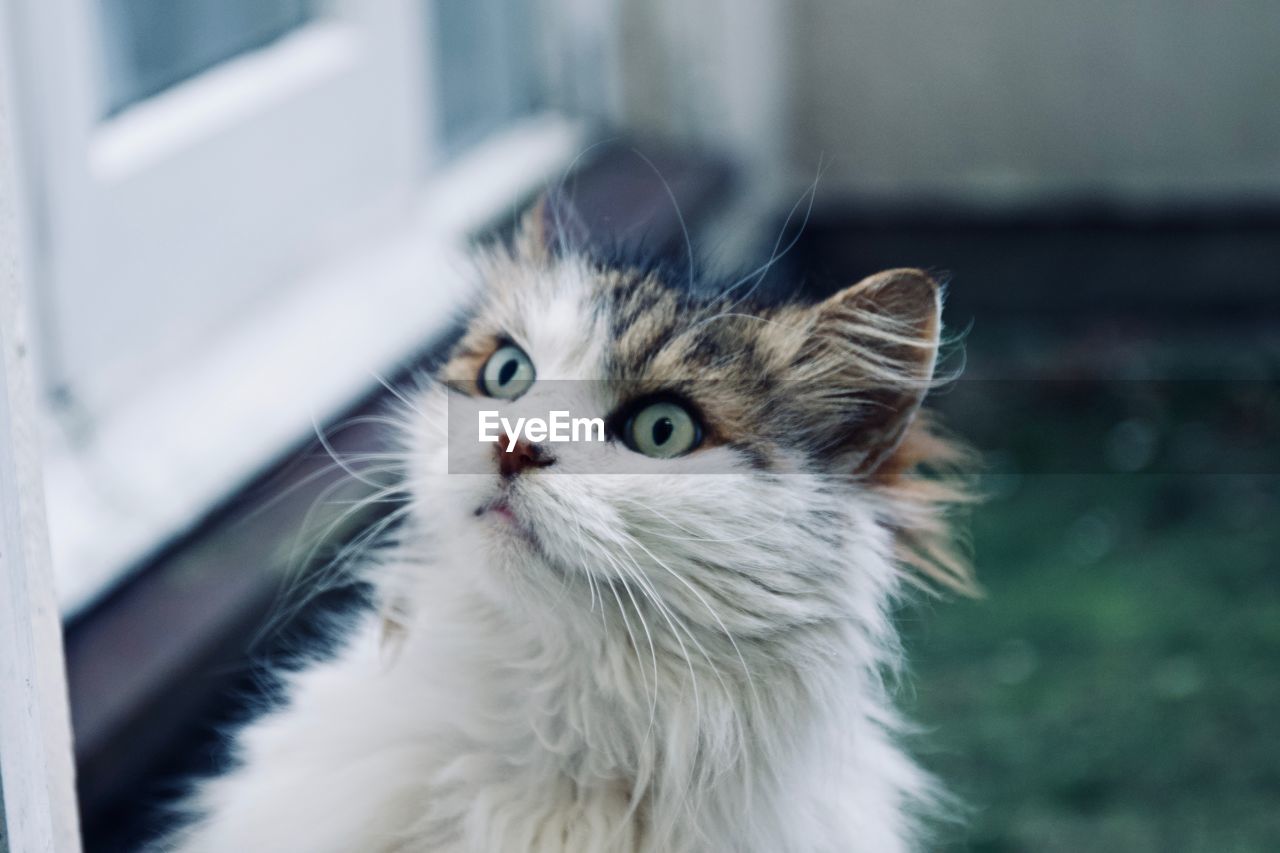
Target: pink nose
x=524, y=455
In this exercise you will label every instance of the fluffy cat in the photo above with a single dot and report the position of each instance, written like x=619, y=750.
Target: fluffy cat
x=690, y=655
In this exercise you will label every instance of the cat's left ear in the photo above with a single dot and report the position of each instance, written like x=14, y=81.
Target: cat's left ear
x=551, y=227
x=866, y=365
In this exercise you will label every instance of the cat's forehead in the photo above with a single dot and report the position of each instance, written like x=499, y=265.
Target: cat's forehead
x=556, y=314
x=661, y=330
x=576, y=319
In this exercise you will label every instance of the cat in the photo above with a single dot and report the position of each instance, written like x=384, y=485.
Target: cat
x=694, y=655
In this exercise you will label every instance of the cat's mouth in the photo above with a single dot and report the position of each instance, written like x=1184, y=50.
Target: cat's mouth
x=498, y=509
x=503, y=510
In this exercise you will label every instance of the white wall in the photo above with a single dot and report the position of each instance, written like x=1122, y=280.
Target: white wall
x=1135, y=100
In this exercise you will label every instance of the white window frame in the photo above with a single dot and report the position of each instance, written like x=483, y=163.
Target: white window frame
x=361, y=263
x=37, y=793
x=158, y=191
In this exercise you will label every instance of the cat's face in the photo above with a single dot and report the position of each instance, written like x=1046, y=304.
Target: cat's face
x=738, y=441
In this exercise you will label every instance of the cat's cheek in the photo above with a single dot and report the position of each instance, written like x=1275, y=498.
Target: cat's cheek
x=445, y=502
x=464, y=495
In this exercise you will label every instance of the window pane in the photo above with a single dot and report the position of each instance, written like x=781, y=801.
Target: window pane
x=485, y=66
x=152, y=44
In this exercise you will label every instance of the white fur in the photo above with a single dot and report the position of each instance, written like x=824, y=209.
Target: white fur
x=693, y=661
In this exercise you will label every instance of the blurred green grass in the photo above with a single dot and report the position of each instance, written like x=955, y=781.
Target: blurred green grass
x=1117, y=688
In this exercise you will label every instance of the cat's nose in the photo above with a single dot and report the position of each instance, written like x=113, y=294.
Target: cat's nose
x=525, y=454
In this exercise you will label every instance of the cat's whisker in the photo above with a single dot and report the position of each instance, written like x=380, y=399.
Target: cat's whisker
x=342, y=518
x=367, y=501
x=714, y=615
x=731, y=315
x=637, y=574
x=684, y=228
x=394, y=423
x=623, y=572
x=760, y=272
x=572, y=166
x=306, y=480
x=596, y=594
x=739, y=743
x=296, y=566
x=328, y=448
x=626, y=622
x=671, y=621
x=581, y=542
x=653, y=654
x=752, y=534
x=323, y=580
x=374, y=456
x=351, y=549
x=354, y=508
x=397, y=394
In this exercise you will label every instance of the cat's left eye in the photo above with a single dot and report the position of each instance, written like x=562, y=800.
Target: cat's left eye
x=507, y=374
x=662, y=430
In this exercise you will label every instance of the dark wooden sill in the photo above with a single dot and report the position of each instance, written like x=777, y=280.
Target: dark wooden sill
x=174, y=657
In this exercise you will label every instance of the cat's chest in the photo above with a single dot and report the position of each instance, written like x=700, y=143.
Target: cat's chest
x=564, y=719
x=526, y=704
x=529, y=761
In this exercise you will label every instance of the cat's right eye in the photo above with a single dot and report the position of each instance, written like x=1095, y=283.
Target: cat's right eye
x=662, y=429
x=507, y=374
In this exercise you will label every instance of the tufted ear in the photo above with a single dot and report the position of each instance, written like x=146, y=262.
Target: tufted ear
x=866, y=364
x=550, y=227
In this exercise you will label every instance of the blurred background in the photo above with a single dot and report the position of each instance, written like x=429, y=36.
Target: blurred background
x=243, y=220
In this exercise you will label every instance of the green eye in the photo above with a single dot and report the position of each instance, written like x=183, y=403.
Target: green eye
x=663, y=430
x=507, y=374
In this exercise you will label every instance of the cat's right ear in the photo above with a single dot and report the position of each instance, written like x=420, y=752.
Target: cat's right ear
x=867, y=364
x=550, y=228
